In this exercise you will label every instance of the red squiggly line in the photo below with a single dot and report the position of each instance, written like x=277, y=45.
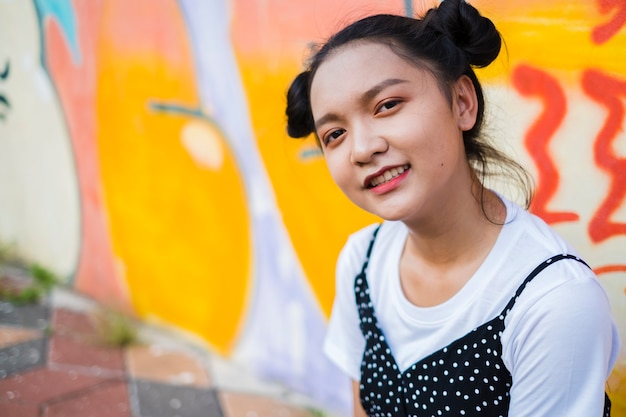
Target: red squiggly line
x=607, y=90
x=606, y=31
x=531, y=82
x=607, y=269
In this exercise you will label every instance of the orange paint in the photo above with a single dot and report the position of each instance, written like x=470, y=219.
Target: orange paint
x=607, y=269
x=610, y=93
x=606, y=30
x=534, y=83
x=95, y=274
x=270, y=28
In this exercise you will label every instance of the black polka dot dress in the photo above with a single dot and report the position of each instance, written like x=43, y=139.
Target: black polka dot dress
x=465, y=378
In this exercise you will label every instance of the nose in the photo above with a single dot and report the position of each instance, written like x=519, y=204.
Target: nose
x=365, y=145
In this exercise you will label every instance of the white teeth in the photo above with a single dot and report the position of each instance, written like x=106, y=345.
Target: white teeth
x=388, y=175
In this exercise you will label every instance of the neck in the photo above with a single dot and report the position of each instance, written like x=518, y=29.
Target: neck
x=464, y=230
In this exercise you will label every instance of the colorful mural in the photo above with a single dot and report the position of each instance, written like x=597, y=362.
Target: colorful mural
x=144, y=159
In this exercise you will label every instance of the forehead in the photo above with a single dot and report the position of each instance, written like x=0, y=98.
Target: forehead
x=350, y=60
x=355, y=67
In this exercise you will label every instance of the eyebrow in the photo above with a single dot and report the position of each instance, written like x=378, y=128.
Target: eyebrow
x=365, y=97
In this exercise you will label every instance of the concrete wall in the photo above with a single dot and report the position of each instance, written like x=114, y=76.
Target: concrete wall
x=143, y=157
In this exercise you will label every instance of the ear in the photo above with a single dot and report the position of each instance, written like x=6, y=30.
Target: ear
x=465, y=103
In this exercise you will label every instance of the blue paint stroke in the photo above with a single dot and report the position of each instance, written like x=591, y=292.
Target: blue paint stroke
x=311, y=153
x=179, y=109
x=196, y=113
x=408, y=7
x=63, y=12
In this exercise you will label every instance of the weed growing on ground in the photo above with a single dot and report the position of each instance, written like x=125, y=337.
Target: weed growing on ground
x=39, y=281
x=316, y=412
x=44, y=278
x=116, y=329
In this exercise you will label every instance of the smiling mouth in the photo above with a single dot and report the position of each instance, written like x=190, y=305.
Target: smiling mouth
x=387, y=176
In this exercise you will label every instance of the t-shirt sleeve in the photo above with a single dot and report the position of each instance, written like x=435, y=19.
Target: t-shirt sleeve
x=344, y=342
x=560, y=351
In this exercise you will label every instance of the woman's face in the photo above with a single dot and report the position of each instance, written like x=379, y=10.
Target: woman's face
x=392, y=141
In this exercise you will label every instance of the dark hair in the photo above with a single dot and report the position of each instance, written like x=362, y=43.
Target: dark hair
x=449, y=41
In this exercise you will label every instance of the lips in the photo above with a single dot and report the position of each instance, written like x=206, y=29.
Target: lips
x=386, y=175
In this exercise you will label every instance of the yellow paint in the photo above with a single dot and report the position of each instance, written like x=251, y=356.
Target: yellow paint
x=617, y=392
x=174, y=194
x=554, y=36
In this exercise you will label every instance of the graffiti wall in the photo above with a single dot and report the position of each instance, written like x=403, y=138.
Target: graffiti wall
x=144, y=159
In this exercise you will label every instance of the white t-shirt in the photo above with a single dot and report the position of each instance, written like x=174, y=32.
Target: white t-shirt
x=560, y=341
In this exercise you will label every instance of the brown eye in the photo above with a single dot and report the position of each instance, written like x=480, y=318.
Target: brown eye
x=387, y=105
x=333, y=135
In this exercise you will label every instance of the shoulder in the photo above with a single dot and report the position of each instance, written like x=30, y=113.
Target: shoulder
x=567, y=282
x=565, y=296
x=564, y=303
x=560, y=343
x=560, y=285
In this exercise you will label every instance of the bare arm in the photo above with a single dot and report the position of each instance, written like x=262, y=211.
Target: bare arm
x=358, y=409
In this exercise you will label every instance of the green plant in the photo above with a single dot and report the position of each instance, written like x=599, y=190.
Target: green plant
x=116, y=329
x=40, y=282
x=26, y=295
x=43, y=278
x=315, y=412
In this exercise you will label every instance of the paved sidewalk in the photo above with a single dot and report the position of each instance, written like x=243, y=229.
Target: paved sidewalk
x=53, y=364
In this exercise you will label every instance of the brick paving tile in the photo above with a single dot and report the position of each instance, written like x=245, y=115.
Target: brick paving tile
x=247, y=405
x=52, y=364
x=71, y=323
x=10, y=335
x=155, y=399
x=157, y=364
x=40, y=385
x=22, y=356
x=70, y=351
x=18, y=410
x=30, y=315
x=106, y=400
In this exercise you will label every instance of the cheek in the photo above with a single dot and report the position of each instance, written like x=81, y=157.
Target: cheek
x=339, y=169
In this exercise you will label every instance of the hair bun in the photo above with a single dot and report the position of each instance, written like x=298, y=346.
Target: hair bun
x=299, y=117
x=475, y=34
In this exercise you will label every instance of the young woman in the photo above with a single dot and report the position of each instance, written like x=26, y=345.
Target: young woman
x=460, y=303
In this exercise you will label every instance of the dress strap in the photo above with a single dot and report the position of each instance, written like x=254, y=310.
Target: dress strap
x=368, y=323
x=533, y=274
x=369, y=250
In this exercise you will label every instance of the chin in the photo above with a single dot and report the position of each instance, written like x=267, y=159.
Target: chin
x=389, y=215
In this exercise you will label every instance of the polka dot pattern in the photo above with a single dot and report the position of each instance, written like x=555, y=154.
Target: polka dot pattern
x=465, y=378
